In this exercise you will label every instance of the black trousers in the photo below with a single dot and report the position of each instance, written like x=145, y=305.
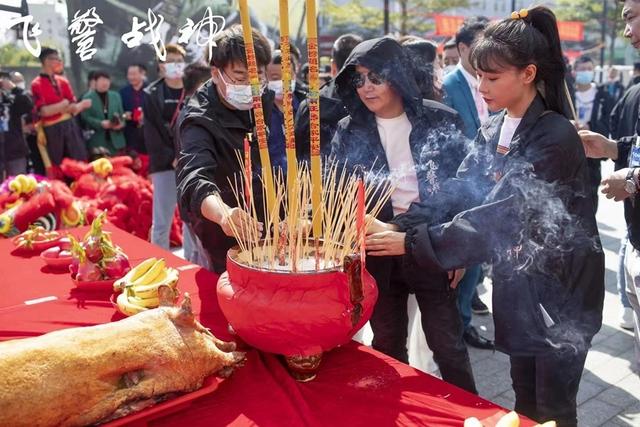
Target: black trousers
x=546, y=386
x=441, y=324
x=65, y=140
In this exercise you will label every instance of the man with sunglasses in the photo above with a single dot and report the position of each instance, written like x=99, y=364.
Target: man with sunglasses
x=56, y=106
x=419, y=144
x=211, y=129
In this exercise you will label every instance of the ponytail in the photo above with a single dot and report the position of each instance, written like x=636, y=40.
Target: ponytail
x=528, y=37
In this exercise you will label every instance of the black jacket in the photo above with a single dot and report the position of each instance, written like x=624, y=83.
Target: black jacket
x=599, y=122
x=625, y=141
x=436, y=140
x=625, y=113
x=210, y=134
x=331, y=112
x=537, y=227
x=15, y=145
x=158, y=137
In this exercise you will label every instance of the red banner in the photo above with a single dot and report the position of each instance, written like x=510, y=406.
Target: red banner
x=447, y=25
x=571, y=31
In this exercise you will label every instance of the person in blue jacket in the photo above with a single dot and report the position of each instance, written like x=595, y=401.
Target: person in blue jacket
x=461, y=93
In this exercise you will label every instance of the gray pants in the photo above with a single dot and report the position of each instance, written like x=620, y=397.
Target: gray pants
x=164, y=206
x=632, y=271
x=192, y=247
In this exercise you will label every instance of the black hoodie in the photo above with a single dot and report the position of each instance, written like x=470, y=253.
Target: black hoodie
x=536, y=226
x=436, y=142
x=210, y=134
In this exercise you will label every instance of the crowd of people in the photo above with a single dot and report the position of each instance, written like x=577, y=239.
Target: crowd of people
x=484, y=138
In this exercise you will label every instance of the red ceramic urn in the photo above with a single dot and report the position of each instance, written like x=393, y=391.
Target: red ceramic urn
x=298, y=315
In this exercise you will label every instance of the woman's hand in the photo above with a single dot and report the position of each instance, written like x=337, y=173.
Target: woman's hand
x=385, y=243
x=377, y=226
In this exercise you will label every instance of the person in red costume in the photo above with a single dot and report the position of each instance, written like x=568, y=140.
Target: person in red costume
x=56, y=106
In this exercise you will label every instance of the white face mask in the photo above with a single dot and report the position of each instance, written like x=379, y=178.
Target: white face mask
x=174, y=70
x=278, y=87
x=21, y=85
x=449, y=69
x=238, y=96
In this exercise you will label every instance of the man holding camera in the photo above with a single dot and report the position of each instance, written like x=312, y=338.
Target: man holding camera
x=105, y=117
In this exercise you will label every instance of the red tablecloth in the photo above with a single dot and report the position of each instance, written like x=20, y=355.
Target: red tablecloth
x=356, y=385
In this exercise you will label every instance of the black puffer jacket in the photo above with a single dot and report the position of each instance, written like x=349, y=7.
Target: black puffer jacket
x=436, y=142
x=210, y=134
x=537, y=227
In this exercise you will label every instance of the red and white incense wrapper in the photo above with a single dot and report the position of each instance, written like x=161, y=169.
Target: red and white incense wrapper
x=314, y=126
x=247, y=174
x=360, y=220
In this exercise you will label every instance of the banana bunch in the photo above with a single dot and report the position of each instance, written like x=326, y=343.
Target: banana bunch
x=102, y=167
x=139, y=287
x=23, y=184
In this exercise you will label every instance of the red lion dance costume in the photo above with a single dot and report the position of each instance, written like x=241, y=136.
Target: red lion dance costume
x=25, y=201
x=112, y=185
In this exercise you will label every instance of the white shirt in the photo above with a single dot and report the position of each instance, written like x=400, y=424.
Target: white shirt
x=481, y=106
x=509, y=127
x=584, y=104
x=394, y=135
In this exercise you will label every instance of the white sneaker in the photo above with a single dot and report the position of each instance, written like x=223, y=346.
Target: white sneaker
x=626, y=318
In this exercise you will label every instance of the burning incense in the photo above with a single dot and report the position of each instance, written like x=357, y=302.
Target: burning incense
x=347, y=197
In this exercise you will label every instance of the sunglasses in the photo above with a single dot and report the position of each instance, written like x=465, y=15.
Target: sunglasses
x=358, y=79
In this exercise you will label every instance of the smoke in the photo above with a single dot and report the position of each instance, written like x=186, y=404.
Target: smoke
x=549, y=233
x=544, y=227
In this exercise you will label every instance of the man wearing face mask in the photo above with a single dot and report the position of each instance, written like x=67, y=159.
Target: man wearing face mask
x=56, y=105
x=593, y=106
x=212, y=127
x=277, y=150
x=161, y=105
x=450, y=56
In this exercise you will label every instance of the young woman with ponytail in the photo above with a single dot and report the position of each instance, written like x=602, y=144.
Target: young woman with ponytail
x=524, y=206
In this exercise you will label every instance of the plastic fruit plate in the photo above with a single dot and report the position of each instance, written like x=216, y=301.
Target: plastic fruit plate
x=58, y=263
